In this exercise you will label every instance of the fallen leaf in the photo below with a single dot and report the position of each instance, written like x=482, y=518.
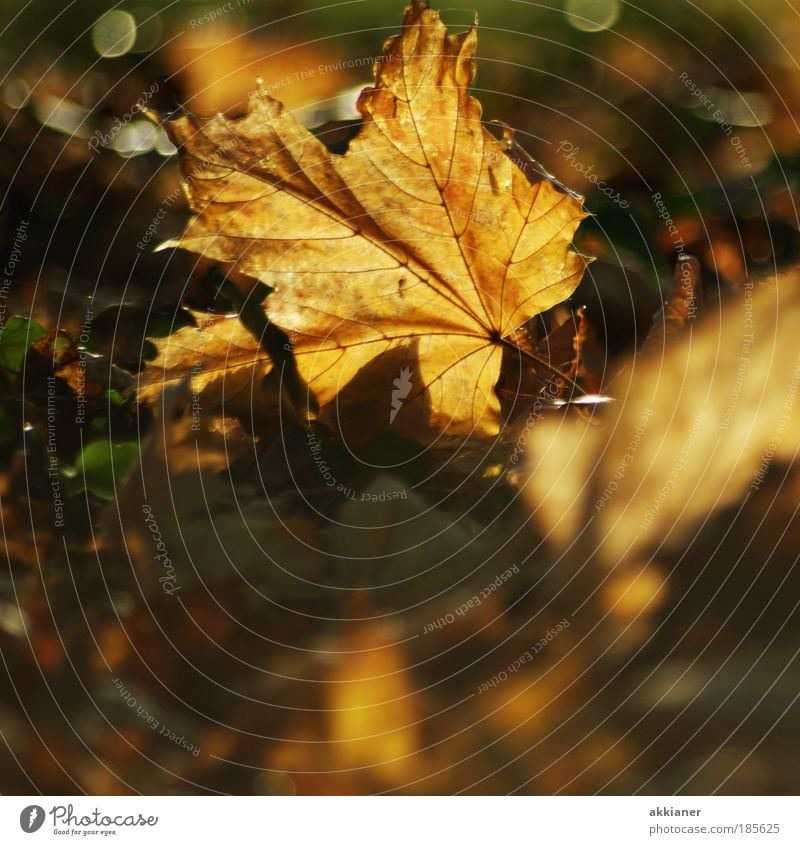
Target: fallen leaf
x=677, y=314
x=372, y=706
x=696, y=428
x=413, y=256
x=559, y=366
x=565, y=350
x=682, y=307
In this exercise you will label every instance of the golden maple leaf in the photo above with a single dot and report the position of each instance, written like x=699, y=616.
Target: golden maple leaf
x=398, y=269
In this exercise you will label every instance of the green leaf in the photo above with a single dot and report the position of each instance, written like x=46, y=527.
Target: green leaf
x=113, y=397
x=103, y=464
x=16, y=338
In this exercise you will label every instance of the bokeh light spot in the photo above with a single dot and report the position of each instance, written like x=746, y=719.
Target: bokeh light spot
x=114, y=34
x=592, y=15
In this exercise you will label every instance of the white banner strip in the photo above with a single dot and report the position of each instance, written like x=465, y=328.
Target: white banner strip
x=400, y=821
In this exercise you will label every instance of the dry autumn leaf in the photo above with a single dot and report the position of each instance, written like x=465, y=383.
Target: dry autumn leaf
x=561, y=367
x=412, y=257
x=680, y=310
x=689, y=437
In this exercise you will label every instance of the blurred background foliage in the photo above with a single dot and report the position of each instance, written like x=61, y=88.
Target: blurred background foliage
x=283, y=695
